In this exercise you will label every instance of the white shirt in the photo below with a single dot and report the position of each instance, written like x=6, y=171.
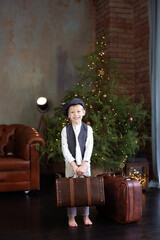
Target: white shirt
x=88, y=146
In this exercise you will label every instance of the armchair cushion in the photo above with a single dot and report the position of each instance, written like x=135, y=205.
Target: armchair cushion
x=10, y=163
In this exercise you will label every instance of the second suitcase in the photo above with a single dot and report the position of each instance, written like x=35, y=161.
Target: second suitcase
x=123, y=199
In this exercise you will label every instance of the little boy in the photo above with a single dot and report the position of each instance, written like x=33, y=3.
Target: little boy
x=77, y=146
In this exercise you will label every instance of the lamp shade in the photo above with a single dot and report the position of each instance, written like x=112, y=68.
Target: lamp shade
x=42, y=104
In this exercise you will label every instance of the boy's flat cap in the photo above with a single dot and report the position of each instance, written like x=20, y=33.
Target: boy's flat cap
x=70, y=103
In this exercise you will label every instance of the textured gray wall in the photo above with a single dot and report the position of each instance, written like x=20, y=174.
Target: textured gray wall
x=41, y=41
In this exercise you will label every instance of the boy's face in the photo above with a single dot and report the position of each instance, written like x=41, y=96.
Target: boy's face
x=76, y=113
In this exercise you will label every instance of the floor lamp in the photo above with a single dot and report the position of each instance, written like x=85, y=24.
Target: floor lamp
x=42, y=107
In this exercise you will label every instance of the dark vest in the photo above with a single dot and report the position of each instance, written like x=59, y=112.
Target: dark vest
x=71, y=139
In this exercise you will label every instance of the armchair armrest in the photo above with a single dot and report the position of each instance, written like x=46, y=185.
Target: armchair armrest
x=25, y=136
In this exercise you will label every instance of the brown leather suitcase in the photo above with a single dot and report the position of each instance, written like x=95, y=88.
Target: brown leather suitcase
x=123, y=199
x=75, y=192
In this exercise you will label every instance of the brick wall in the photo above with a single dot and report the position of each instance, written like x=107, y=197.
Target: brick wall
x=126, y=22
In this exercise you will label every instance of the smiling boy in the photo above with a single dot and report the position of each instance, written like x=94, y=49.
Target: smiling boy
x=77, y=146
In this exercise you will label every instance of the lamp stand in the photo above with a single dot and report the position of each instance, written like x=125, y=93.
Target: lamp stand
x=43, y=123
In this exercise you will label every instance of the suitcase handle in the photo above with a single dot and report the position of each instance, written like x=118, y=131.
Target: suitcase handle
x=79, y=176
x=128, y=178
x=58, y=175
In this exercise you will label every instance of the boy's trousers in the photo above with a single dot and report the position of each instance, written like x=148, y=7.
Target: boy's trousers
x=72, y=211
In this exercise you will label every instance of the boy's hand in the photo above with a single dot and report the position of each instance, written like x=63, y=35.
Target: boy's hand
x=74, y=166
x=81, y=170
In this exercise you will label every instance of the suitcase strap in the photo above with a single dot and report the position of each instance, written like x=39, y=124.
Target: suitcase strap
x=88, y=190
x=71, y=185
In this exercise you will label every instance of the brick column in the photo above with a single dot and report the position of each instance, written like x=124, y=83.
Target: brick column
x=126, y=22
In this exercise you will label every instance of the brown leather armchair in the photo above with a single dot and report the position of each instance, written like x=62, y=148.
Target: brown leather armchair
x=19, y=159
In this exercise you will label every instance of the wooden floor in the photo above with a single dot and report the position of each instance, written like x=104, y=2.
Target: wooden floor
x=35, y=217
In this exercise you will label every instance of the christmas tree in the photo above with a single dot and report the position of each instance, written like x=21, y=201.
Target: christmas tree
x=118, y=123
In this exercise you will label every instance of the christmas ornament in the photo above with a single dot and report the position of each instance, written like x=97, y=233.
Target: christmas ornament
x=101, y=72
x=130, y=119
x=104, y=95
x=103, y=134
x=122, y=165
